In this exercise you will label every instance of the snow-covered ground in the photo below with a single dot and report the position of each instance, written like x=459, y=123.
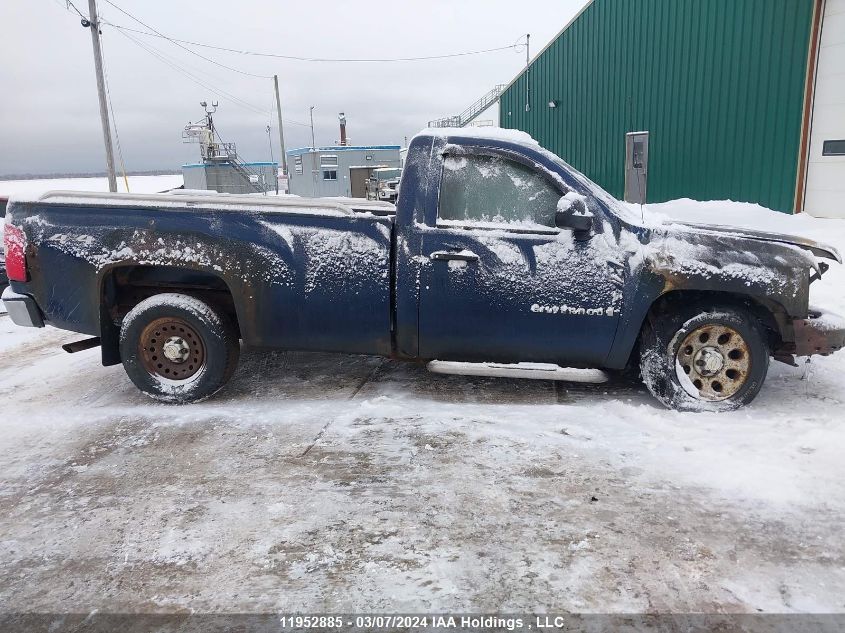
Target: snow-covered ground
x=319, y=482
x=137, y=184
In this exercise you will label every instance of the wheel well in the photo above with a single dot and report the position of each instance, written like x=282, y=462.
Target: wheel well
x=771, y=315
x=125, y=287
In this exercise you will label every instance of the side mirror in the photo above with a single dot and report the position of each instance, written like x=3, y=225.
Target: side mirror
x=572, y=214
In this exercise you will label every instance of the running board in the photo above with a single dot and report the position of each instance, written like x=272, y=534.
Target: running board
x=534, y=371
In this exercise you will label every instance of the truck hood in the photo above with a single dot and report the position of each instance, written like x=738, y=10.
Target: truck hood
x=816, y=248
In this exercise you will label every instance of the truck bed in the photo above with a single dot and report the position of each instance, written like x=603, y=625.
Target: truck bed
x=302, y=273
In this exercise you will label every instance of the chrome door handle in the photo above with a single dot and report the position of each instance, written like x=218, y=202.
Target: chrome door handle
x=459, y=256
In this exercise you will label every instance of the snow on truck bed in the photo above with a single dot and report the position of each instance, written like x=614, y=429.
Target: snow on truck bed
x=187, y=200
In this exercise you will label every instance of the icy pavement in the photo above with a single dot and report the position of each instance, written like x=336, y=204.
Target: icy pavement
x=319, y=482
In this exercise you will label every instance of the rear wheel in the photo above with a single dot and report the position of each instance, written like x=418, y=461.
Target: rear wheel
x=176, y=348
x=704, y=360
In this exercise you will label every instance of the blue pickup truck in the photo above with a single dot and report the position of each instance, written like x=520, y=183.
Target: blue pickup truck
x=497, y=255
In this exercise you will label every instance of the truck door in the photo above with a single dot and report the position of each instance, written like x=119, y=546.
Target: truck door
x=501, y=283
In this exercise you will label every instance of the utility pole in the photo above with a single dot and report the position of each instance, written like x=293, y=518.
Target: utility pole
x=94, y=25
x=313, y=155
x=281, y=129
x=272, y=160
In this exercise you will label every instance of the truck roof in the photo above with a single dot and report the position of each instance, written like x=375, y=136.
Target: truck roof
x=486, y=132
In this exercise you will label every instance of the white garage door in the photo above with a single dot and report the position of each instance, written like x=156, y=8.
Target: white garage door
x=826, y=169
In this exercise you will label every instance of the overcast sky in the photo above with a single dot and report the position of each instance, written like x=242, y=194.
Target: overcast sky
x=49, y=111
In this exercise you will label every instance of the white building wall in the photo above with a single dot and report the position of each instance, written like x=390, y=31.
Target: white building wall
x=825, y=189
x=311, y=182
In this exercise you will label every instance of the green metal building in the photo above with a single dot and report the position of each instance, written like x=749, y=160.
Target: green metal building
x=723, y=87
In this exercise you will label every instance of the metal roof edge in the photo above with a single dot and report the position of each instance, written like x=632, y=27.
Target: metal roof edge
x=228, y=164
x=343, y=148
x=546, y=47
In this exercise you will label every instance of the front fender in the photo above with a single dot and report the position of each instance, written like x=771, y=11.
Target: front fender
x=774, y=276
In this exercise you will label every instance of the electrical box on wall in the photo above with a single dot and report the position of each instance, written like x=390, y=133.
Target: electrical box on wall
x=636, y=167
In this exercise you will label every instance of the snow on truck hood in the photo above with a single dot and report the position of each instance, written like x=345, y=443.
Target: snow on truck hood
x=740, y=219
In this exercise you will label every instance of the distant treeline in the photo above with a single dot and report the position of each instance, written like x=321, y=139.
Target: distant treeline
x=94, y=174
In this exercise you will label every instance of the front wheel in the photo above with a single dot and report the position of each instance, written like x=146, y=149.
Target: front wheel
x=178, y=349
x=705, y=360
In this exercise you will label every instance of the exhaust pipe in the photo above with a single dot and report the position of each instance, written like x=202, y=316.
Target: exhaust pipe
x=81, y=346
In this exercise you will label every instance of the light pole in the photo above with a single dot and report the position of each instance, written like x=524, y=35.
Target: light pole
x=311, y=113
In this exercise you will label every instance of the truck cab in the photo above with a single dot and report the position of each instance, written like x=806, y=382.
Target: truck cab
x=505, y=272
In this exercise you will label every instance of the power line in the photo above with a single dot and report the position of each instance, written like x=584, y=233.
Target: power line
x=204, y=83
x=219, y=91
x=154, y=33
x=68, y=4
x=294, y=122
x=157, y=33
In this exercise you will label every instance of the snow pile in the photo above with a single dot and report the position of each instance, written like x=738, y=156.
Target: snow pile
x=725, y=213
x=744, y=215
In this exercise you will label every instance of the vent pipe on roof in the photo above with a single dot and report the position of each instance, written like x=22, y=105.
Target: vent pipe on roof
x=342, y=118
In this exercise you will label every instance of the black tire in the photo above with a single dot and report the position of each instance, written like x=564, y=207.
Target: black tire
x=740, y=364
x=201, y=354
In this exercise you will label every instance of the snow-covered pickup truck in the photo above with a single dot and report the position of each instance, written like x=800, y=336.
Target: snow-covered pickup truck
x=498, y=258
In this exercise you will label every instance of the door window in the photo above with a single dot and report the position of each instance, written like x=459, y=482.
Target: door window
x=492, y=190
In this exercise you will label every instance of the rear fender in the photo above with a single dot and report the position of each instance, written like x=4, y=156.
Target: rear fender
x=124, y=286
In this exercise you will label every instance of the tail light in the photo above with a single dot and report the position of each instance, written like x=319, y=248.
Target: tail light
x=14, y=242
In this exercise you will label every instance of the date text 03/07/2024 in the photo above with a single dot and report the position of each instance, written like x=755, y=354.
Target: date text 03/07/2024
x=431, y=622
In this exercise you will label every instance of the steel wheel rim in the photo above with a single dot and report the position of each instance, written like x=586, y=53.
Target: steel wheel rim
x=171, y=349
x=715, y=361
